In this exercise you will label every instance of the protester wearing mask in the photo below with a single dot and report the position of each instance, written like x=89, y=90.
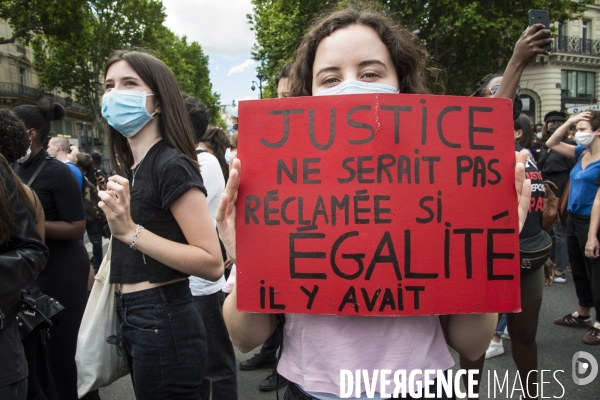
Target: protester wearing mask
x=556, y=168
x=582, y=190
x=232, y=119
x=338, y=50
x=161, y=227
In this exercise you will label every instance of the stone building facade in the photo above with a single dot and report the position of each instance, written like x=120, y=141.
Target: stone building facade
x=19, y=84
x=569, y=77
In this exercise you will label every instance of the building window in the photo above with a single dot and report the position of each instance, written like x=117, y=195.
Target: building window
x=529, y=107
x=586, y=43
x=23, y=76
x=62, y=128
x=562, y=29
x=577, y=84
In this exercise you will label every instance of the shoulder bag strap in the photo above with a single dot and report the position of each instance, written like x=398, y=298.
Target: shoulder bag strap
x=37, y=171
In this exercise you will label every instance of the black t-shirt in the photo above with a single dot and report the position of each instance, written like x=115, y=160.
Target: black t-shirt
x=161, y=178
x=555, y=167
x=56, y=186
x=535, y=215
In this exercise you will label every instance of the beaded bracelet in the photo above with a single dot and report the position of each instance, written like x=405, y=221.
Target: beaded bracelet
x=133, y=244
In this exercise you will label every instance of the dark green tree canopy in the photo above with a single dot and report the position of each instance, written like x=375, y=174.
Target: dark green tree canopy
x=465, y=38
x=76, y=66
x=58, y=18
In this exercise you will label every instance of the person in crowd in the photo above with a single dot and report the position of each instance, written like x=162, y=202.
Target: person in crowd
x=232, y=150
x=220, y=375
x=73, y=151
x=367, y=46
x=97, y=165
x=22, y=257
x=232, y=119
x=267, y=357
x=58, y=148
x=215, y=141
x=522, y=326
x=282, y=81
x=15, y=145
x=84, y=163
x=556, y=168
x=523, y=132
x=582, y=190
x=161, y=226
x=66, y=273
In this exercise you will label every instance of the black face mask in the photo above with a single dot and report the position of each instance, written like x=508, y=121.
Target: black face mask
x=553, y=129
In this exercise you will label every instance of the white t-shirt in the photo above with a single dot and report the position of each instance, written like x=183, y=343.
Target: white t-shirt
x=214, y=182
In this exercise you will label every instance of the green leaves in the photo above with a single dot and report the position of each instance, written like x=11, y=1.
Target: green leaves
x=190, y=65
x=76, y=64
x=58, y=18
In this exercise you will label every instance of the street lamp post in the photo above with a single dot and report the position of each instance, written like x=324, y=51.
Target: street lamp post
x=260, y=77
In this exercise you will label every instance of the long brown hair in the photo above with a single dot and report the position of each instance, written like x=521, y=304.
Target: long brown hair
x=8, y=224
x=173, y=122
x=408, y=55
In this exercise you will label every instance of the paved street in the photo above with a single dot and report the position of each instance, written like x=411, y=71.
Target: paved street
x=556, y=346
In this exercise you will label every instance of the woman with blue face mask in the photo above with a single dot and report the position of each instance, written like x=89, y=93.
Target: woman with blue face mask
x=583, y=188
x=348, y=52
x=162, y=230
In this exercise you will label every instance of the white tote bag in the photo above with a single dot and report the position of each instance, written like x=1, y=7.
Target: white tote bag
x=98, y=362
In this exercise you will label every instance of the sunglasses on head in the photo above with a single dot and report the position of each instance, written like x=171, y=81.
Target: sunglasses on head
x=495, y=88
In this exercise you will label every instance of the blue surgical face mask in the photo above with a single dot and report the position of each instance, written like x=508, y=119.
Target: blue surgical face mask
x=125, y=110
x=351, y=86
x=230, y=126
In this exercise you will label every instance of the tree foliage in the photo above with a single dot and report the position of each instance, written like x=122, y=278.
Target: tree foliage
x=58, y=18
x=467, y=39
x=77, y=66
x=190, y=65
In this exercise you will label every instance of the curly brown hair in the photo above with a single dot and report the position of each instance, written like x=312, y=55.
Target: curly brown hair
x=13, y=136
x=407, y=53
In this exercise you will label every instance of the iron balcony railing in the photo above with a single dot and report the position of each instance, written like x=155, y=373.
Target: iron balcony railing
x=569, y=44
x=9, y=89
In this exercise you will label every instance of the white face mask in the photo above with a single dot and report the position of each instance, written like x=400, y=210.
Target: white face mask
x=584, y=138
x=351, y=86
x=538, y=135
x=26, y=156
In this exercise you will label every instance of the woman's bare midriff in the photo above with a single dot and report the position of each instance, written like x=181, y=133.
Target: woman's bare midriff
x=136, y=287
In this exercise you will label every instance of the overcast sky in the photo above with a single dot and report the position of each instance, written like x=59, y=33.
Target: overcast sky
x=222, y=30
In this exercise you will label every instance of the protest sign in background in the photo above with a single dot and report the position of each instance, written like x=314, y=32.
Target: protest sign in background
x=377, y=205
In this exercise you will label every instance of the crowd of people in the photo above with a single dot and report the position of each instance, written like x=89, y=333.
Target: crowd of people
x=169, y=207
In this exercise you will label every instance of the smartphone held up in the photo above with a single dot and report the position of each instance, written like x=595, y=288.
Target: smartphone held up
x=540, y=17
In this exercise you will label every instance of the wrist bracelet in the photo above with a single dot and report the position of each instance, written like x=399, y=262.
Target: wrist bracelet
x=133, y=244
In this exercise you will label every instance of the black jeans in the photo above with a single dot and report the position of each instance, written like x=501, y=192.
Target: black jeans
x=293, y=392
x=14, y=391
x=96, y=241
x=220, y=376
x=586, y=271
x=165, y=341
x=270, y=346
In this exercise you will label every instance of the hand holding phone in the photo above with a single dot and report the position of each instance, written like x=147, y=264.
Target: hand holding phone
x=540, y=17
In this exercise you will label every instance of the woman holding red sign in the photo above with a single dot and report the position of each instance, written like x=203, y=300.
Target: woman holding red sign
x=348, y=52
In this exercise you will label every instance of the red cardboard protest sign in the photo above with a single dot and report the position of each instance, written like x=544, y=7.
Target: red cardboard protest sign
x=377, y=205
